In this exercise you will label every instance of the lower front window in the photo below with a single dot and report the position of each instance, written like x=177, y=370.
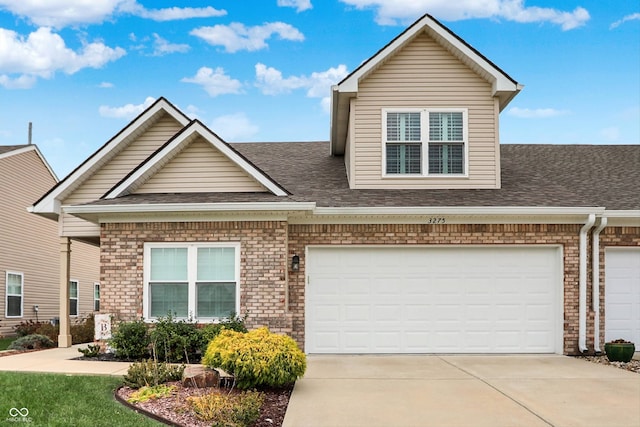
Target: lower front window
x=196, y=281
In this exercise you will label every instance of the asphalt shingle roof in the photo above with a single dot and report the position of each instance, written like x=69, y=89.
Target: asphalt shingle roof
x=532, y=175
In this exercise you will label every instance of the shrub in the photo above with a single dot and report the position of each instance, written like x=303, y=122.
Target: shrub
x=147, y=393
x=257, y=359
x=31, y=342
x=131, y=340
x=150, y=372
x=210, y=331
x=28, y=327
x=83, y=331
x=237, y=410
x=175, y=340
x=90, y=351
x=48, y=330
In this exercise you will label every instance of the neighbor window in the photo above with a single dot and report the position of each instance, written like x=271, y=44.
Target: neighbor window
x=424, y=142
x=73, y=298
x=96, y=296
x=14, y=288
x=197, y=281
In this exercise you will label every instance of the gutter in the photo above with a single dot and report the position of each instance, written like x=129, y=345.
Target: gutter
x=582, y=300
x=595, y=293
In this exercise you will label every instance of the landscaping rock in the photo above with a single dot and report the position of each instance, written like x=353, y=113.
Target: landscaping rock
x=200, y=376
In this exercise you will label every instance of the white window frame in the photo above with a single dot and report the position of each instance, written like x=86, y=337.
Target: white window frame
x=7, y=295
x=77, y=298
x=424, y=141
x=192, y=248
x=96, y=285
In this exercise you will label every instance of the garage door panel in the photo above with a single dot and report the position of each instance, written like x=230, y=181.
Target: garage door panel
x=435, y=300
x=622, y=294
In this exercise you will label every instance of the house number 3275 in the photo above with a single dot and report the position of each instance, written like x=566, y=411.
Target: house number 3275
x=436, y=220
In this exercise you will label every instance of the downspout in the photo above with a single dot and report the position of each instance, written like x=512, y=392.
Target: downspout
x=582, y=300
x=595, y=293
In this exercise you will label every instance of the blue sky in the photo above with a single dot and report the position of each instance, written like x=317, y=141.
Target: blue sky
x=261, y=70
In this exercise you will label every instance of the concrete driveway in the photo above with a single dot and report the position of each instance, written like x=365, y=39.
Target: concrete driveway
x=496, y=391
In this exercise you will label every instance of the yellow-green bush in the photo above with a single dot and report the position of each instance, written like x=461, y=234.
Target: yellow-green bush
x=257, y=359
x=228, y=410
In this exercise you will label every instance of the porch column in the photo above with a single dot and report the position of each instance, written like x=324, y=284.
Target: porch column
x=64, y=338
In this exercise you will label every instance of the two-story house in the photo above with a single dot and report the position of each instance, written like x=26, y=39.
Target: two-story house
x=30, y=247
x=411, y=231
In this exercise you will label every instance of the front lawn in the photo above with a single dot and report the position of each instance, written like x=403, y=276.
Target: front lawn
x=6, y=342
x=64, y=400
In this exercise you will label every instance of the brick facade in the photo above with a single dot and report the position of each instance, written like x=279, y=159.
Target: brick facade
x=273, y=296
x=263, y=258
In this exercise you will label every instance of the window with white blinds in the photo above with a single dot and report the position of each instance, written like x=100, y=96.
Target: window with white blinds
x=196, y=281
x=14, y=290
x=423, y=142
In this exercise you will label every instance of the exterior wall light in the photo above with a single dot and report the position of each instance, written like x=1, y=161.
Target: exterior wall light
x=295, y=263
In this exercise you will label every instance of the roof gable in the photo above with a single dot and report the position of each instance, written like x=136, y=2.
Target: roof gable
x=49, y=204
x=245, y=173
x=503, y=86
x=14, y=150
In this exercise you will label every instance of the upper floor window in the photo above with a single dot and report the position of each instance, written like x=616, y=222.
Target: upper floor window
x=425, y=142
x=14, y=304
x=191, y=280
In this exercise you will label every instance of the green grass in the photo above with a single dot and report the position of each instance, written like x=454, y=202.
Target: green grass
x=66, y=400
x=5, y=342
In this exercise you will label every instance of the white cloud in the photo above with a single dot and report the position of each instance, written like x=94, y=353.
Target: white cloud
x=163, y=47
x=610, y=134
x=300, y=5
x=173, y=13
x=537, y=113
x=318, y=84
x=43, y=53
x=234, y=127
x=193, y=112
x=236, y=36
x=394, y=12
x=62, y=13
x=632, y=17
x=106, y=85
x=215, y=82
x=128, y=111
x=21, y=82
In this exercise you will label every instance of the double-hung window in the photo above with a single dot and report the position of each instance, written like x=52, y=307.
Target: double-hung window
x=425, y=142
x=403, y=146
x=73, y=298
x=192, y=280
x=14, y=290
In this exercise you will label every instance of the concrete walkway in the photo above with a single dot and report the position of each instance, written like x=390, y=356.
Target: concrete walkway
x=455, y=391
x=59, y=360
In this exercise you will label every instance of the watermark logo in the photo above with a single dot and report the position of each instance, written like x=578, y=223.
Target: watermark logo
x=19, y=415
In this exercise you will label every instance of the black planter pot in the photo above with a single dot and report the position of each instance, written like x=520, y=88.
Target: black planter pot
x=619, y=352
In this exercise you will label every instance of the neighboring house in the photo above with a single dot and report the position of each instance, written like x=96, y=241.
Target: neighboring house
x=411, y=231
x=30, y=246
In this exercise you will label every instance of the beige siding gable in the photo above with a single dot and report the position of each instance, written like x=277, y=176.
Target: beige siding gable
x=423, y=75
x=200, y=168
x=114, y=170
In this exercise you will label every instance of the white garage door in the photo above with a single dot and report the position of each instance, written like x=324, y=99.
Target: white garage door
x=433, y=300
x=622, y=294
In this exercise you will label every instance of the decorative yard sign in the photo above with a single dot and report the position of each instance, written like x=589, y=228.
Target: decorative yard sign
x=102, y=326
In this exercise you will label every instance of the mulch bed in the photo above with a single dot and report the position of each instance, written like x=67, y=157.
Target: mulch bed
x=173, y=410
